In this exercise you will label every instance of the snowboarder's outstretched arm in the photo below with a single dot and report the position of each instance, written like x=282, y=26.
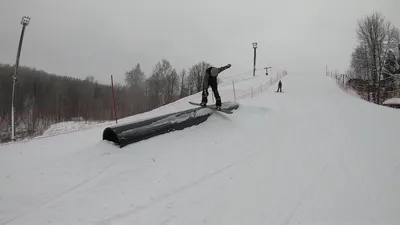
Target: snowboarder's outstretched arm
x=223, y=68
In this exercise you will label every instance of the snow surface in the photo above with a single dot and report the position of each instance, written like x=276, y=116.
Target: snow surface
x=311, y=155
x=70, y=126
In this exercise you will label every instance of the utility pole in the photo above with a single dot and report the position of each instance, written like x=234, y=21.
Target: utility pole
x=24, y=21
x=326, y=70
x=254, y=65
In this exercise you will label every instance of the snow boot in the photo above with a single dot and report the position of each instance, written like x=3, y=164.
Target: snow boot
x=218, y=103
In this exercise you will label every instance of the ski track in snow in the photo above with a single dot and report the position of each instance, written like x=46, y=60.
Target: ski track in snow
x=303, y=196
x=309, y=156
x=58, y=196
x=167, y=195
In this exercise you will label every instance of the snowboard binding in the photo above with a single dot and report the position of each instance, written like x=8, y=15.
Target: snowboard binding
x=205, y=105
x=215, y=107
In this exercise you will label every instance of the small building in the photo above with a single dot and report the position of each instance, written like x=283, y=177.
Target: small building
x=392, y=102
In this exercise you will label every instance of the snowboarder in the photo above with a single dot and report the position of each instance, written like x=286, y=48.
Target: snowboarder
x=279, y=87
x=210, y=79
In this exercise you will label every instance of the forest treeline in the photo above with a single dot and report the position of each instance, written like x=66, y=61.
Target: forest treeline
x=375, y=64
x=43, y=99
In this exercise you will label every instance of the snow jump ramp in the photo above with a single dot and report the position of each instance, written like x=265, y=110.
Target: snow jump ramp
x=128, y=133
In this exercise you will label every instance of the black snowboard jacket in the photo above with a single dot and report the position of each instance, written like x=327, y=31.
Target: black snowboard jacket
x=208, y=76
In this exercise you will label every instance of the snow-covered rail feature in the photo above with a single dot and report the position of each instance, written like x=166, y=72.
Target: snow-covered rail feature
x=128, y=133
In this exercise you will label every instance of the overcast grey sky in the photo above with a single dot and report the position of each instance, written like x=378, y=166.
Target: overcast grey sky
x=98, y=37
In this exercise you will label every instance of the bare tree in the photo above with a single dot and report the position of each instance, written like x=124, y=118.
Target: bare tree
x=171, y=86
x=378, y=36
x=184, y=84
x=43, y=99
x=90, y=79
x=196, y=74
x=359, y=62
x=390, y=67
x=157, y=87
x=135, y=77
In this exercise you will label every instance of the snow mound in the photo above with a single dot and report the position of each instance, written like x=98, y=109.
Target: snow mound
x=71, y=126
x=392, y=101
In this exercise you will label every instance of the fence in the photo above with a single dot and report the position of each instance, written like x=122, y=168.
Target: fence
x=256, y=89
x=235, y=89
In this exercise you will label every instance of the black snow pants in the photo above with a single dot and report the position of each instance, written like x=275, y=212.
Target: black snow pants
x=214, y=87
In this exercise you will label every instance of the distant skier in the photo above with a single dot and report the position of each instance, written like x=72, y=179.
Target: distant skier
x=279, y=87
x=210, y=79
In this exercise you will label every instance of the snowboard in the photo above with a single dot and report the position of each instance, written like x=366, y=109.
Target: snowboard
x=213, y=107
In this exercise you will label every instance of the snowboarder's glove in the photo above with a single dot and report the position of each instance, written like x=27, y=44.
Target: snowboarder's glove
x=228, y=65
x=205, y=93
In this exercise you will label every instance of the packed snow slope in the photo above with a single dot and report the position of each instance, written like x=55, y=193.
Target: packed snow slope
x=310, y=155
